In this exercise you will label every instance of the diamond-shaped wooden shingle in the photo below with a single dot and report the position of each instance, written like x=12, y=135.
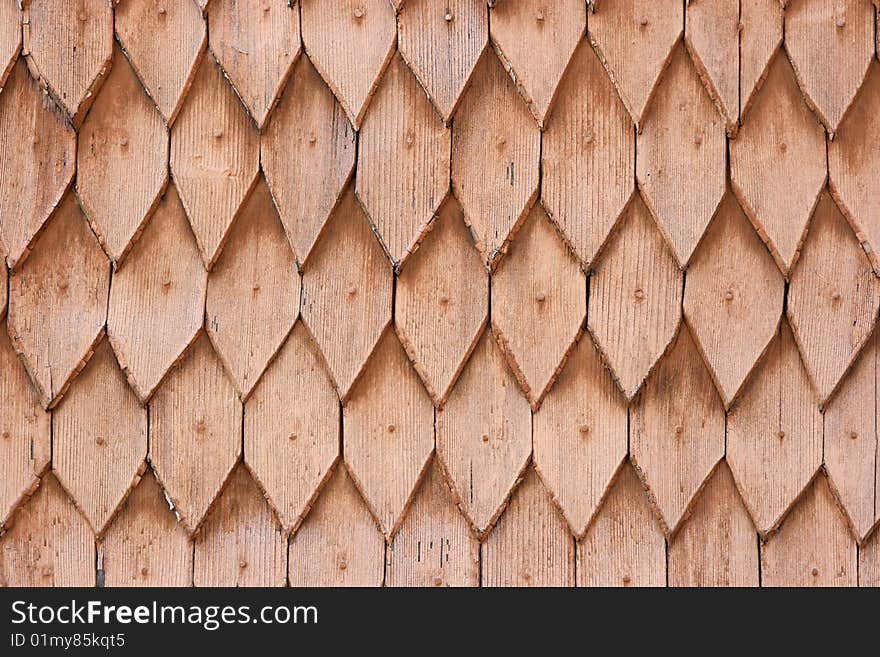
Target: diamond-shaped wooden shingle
x=10, y=38
x=760, y=36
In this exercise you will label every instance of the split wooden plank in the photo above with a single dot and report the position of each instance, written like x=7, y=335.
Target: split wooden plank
x=442, y=45
x=442, y=301
x=813, y=546
x=99, y=439
x=496, y=148
x=774, y=434
x=291, y=427
x=681, y=159
x=10, y=38
x=215, y=157
x=388, y=424
x=854, y=166
x=777, y=163
x=157, y=298
x=869, y=562
x=58, y=29
x=588, y=137
x=4, y=281
x=760, y=37
x=635, y=298
x=539, y=297
x=531, y=544
x=403, y=161
x=49, y=544
x=36, y=143
x=195, y=433
x=122, y=159
x=253, y=292
x=145, y=546
x=347, y=288
x=484, y=434
x=831, y=45
x=241, y=542
x=733, y=298
x=58, y=301
x=145, y=29
x=338, y=544
x=833, y=298
x=256, y=44
x=25, y=433
x=635, y=39
x=580, y=436
x=307, y=152
x=350, y=42
x=535, y=40
x=624, y=546
x=434, y=545
x=851, y=440
x=677, y=430
x=717, y=545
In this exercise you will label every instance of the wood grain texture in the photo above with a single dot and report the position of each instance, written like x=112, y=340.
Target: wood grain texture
x=215, y=157
x=291, y=427
x=635, y=298
x=680, y=166
x=256, y=44
x=677, y=430
x=25, y=433
x=733, y=298
x=36, y=143
x=144, y=29
x=347, y=292
x=145, y=546
x=241, y=542
x=99, y=439
x=338, y=544
x=84, y=26
x=717, y=545
x=624, y=546
x=58, y=301
x=350, y=42
x=403, y=160
x=831, y=45
x=774, y=434
x=833, y=298
x=777, y=163
x=307, y=152
x=195, y=432
x=253, y=292
x=484, y=434
x=531, y=544
x=49, y=544
x=869, y=562
x=157, y=298
x=851, y=440
x=587, y=155
x=10, y=38
x=813, y=546
x=496, y=146
x=760, y=37
x=535, y=40
x=635, y=39
x=441, y=44
x=854, y=165
x=434, y=545
x=442, y=301
x=538, y=297
x=122, y=138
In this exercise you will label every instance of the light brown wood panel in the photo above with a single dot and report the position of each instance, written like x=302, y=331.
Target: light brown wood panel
x=58, y=301
x=10, y=38
x=760, y=36
x=434, y=545
x=157, y=300
x=869, y=561
x=253, y=292
x=99, y=439
x=291, y=427
x=241, y=542
x=145, y=545
x=49, y=543
x=403, y=160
